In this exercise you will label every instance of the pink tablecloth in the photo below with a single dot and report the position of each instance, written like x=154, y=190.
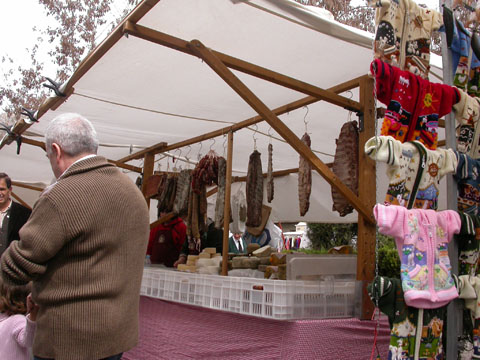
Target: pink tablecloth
x=175, y=331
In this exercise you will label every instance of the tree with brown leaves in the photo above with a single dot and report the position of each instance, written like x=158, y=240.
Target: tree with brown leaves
x=76, y=30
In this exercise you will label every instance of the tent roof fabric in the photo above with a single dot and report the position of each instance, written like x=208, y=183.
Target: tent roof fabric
x=140, y=93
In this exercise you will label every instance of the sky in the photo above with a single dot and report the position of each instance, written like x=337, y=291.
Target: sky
x=18, y=17
x=17, y=34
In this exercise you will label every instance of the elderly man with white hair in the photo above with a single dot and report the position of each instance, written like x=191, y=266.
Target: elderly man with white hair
x=83, y=247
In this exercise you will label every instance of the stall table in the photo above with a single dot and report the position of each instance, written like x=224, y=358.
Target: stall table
x=170, y=330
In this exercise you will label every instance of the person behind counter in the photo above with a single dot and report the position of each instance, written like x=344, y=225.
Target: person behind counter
x=237, y=244
x=166, y=241
x=212, y=238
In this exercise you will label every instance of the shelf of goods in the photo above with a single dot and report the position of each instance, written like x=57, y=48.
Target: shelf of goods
x=273, y=299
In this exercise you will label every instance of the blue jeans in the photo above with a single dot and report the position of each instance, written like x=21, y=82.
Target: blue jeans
x=114, y=357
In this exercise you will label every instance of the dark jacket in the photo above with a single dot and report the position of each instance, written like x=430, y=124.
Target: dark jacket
x=19, y=215
x=232, y=247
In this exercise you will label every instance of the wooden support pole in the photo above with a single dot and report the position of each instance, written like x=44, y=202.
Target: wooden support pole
x=454, y=319
x=148, y=164
x=16, y=197
x=367, y=194
x=226, y=209
x=283, y=130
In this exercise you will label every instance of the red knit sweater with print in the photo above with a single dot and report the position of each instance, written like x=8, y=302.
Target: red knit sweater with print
x=414, y=104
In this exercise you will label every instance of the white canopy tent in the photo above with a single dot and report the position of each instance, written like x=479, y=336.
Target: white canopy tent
x=139, y=93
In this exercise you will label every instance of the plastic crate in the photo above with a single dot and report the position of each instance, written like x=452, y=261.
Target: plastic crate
x=273, y=299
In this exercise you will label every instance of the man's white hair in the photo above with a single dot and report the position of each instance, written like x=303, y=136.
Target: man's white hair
x=73, y=133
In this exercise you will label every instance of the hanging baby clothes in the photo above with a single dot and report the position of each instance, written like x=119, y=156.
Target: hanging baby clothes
x=414, y=105
x=413, y=170
x=422, y=238
x=468, y=183
x=404, y=30
x=468, y=246
x=468, y=240
x=467, y=113
x=466, y=77
x=413, y=332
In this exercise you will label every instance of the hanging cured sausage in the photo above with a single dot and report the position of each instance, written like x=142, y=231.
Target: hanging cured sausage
x=270, y=188
x=220, y=203
x=304, y=179
x=345, y=166
x=180, y=206
x=254, y=190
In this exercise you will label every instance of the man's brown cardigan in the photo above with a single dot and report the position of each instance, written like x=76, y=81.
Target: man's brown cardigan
x=84, y=248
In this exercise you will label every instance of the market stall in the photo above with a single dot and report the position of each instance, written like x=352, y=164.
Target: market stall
x=235, y=91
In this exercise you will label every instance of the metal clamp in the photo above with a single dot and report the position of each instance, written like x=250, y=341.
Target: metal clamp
x=55, y=87
x=30, y=114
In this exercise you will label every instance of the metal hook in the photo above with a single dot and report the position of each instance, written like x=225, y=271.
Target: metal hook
x=200, y=151
x=225, y=138
x=30, y=114
x=55, y=87
x=213, y=143
x=254, y=138
x=305, y=118
x=270, y=135
x=351, y=94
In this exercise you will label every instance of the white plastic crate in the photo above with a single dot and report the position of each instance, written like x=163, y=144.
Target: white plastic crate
x=274, y=299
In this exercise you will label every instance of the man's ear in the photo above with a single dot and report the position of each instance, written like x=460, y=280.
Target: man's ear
x=56, y=150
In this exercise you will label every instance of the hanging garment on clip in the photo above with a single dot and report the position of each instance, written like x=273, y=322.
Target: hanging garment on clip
x=414, y=105
x=404, y=32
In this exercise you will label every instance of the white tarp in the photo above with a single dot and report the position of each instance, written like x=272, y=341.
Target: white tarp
x=140, y=93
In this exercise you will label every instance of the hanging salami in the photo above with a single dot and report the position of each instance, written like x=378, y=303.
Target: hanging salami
x=345, y=166
x=180, y=206
x=254, y=190
x=304, y=179
x=206, y=172
x=220, y=203
x=270, y=188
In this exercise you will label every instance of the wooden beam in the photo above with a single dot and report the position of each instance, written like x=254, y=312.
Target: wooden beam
x=26, y=186
x=226, y=208
x=154, y=149
x=441, y=143
x=348, y=85
x=33, y=142
x=249, y=97
x=148, y=165
x=16, y=197
x=161, y=220
x=278, y=173
x=243, y=66
x=41, y=144
x=367, y=194
x=125, y=166
x=212, y=191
